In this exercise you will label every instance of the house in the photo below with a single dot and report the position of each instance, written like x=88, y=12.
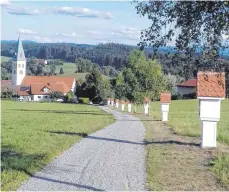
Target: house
x=34, y=88
x=186, y=87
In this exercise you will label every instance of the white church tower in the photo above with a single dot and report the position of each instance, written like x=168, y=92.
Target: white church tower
x=19, y=64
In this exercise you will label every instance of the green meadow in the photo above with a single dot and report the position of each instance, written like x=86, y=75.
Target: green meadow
x=35, y=133
x=184, y=118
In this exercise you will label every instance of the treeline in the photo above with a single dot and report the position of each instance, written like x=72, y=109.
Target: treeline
x=111, y=54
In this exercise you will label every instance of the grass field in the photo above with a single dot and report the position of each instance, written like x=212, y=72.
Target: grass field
x=185, y=123
x=35, y=133
x=184, y=119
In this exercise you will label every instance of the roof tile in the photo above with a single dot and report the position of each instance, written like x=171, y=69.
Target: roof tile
x=165, y=97
x=210, y=84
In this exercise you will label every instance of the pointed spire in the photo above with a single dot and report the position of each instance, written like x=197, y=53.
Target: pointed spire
x=20, y=51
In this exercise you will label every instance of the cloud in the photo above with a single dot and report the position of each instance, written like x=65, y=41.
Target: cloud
x=82, y=12
x=41, y=39
x=69, y=35
x=93, y=32
x=16, y=10
x=4, y=2
x=27, y=31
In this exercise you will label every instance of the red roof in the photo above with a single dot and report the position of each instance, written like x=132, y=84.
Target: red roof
x=210, y=84
x=37, y=89
x=29, y=80
x=188, y=83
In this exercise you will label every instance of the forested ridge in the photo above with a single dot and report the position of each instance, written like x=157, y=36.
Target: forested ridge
x=110, y=54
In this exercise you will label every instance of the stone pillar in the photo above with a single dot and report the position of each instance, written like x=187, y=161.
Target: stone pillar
x=112, y=102
x=129, y=107
x=117, y=103
x=165, y=99
x=123, y=105
x=210, y=92
x=146, y=105
x=108, y=101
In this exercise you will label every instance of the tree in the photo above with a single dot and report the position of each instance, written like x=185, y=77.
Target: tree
x=191, y=24
x=196, y=20
x=61, y=70
x=56, y=95
x=141, y=78
x=97, y=88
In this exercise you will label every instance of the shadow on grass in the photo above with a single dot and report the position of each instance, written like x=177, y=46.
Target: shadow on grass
x=28, y=164
x=64, y=112
x=170, y=142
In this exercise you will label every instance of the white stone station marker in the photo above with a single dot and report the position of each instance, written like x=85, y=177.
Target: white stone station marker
x=165, y=99
x=129, y=106
x=123, y=104
x=210, y=92
x=117, y=103
x=146, y=105
x=108, y=101
x=112, y=102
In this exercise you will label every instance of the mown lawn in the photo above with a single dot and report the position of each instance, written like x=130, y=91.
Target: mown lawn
x=35, y=133
x=184, y=120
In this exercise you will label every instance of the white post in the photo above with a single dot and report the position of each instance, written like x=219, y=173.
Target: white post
x=112, y=103
x=129, y=107
x=146, y=108
x=108, y=102
x=209, y=115
x=164, y=111
x=123, y=106
x=117, y=104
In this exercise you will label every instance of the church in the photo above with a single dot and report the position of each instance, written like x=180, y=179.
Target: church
x=35, y=88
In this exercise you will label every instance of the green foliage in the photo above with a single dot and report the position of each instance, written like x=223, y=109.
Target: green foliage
x=83, y=65
x=142, y=77
x=68, y=97
x=56, y=95
x=97, y=88
x=189, y=22
x=61, y=71
x=84, y=100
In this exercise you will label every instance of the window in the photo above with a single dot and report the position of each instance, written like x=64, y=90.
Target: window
x=39, y=97
x=14, y=71
x=46, y=96
x=21, y=71
x=19, y=65
x=22, y=65
x=46, y=90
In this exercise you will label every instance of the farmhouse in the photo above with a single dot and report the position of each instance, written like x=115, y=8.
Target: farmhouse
x=186, y=87
x=34, y=88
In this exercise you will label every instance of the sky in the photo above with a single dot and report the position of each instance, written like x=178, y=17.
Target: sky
x=82, y=22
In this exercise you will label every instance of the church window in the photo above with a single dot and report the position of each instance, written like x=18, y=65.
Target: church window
x=22, y=65
x=14, y=71
x=19, y=65
x=21, y=71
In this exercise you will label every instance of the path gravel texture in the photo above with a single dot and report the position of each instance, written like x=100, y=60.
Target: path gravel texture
x=112, y=158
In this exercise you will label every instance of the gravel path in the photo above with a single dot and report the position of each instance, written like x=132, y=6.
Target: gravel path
x=110, y=159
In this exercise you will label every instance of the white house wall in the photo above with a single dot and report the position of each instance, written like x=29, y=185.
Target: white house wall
x=40, y=97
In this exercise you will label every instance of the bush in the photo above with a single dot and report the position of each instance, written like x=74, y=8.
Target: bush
x=185, y=96
x=84, y=100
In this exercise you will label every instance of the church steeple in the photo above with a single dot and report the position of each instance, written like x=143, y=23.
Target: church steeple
x=20, y=51
x=19, y=66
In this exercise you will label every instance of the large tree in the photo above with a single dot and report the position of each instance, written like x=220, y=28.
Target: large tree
x=188, y=23
x=142, y=77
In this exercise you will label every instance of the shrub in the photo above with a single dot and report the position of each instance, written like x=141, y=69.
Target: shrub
x=83, y=100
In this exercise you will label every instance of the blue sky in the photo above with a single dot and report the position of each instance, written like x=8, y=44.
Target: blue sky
x=87, y=22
